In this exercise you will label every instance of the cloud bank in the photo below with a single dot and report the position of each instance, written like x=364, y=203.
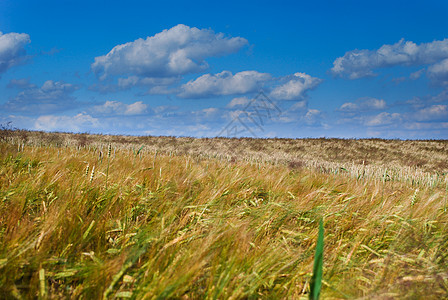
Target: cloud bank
x=290, y=87
x=52, y=96
x=78, y=123
x=362, y=63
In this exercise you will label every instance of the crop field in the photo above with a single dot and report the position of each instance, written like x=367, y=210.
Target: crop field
x=115, y=217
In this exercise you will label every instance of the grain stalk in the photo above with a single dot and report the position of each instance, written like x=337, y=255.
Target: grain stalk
x=92, y=174
x=109, y=151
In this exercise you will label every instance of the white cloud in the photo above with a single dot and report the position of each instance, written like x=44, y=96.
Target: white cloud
x=421, y=102
x=294, y=87
x=207, y=112
x=21, y=83
x=417, y=74
x=426, y=126
x=224, y=83
x=296, y=112
x=432, y=113
x=156, y=85
x=233, y=114
x=361, y=63
x=12, y=49
x=312, y=117
x=161, y=90
x=382, y=119
x=50, y=97
x=170, y=53
x=363, y=104
x=119, y=108
x=439, y=72
x=299, y=113
x=128, y=82
x=290, y=87
x=165, y=109
x=80, y=122
x=300, y=105
x=136, y=108
x=239, y=101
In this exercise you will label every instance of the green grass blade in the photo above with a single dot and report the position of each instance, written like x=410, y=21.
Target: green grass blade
x=139, y=150
x=316, y=280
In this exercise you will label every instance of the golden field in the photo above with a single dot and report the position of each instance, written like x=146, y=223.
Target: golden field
x=95, y=216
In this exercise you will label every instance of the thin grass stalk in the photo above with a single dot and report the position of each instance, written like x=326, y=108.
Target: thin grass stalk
x=316, y=279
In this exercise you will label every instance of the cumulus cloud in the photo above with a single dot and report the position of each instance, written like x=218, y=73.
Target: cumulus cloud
x=294, y=87
x=363, y=104
x=170, y=53
x=362, y=63
x=224, y=83
x=119, y=108
x=50, y=97
x=382, y=119
x=12, y=49
x=80, y=122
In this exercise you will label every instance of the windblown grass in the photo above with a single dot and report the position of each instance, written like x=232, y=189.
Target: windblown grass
x=179, y=226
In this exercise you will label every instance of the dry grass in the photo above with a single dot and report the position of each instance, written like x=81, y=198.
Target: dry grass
x=424, y=155
x=193, y=224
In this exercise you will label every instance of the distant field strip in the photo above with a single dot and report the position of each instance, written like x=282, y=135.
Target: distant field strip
x=419, y=163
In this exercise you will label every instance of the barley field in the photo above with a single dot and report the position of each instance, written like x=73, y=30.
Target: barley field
x=115, y=217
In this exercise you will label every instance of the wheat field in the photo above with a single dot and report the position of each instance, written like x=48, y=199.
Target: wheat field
x=115, y=217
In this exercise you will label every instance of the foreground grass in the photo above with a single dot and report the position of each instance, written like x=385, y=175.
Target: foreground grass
x=172, y=226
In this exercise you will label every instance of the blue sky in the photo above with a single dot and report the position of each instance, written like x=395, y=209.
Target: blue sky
x=323, y=68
